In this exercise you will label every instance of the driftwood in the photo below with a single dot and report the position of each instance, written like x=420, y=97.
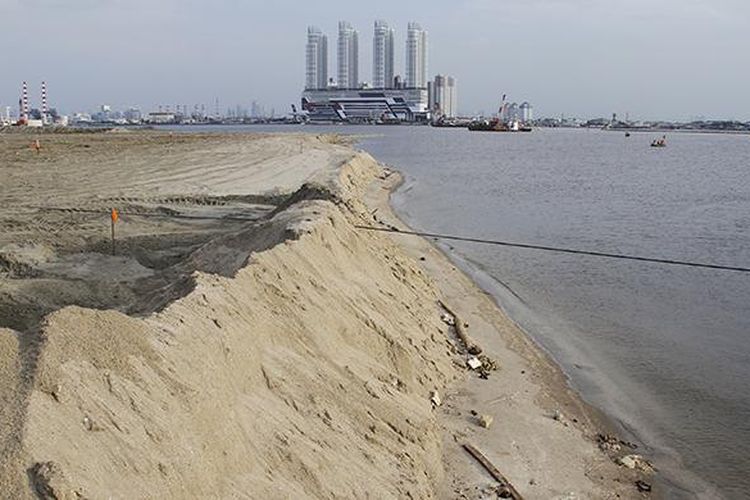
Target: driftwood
x=471, y=346
x=508, y=491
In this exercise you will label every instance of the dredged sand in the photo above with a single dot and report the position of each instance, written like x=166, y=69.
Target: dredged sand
x=247, y=341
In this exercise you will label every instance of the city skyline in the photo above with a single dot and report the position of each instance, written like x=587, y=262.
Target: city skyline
x=383, y=60
x=571, y=57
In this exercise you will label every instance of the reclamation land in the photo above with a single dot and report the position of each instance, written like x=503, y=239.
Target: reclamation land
x=245, y=338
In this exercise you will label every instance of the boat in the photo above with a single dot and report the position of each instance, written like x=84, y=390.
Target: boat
x=659, y=143
x=499, y=123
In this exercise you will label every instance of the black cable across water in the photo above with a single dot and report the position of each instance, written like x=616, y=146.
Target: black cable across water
x=557, y=249
x=454, y=238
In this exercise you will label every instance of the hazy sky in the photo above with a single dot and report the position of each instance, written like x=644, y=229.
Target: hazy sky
x=650, y=58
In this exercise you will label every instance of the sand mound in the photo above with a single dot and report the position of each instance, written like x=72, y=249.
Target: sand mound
x=299, y=364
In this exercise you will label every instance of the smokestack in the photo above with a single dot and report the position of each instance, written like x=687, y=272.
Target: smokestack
x=25, y=102
x=44, y=100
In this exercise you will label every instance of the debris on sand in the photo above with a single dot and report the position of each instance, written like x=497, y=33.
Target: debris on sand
x=448, y=319
x=452, y=319
x=643, y=486
x=474, y=363
x=488, y=365
x=636, y=462
x=505, y=489
x=435, y=399
x=610, y=443
x=49, y=482
x=558, y=416
x=485, y=421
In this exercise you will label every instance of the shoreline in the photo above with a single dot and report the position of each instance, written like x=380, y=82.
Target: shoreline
x=239, y=378
x=673, y=478
x=556, y=395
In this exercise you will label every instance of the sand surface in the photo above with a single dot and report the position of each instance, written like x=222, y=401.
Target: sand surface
x=246, y=340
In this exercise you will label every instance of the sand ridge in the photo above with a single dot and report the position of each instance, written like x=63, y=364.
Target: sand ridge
x=288, y=355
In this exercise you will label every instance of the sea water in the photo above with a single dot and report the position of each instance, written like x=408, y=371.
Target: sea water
x=663, y=350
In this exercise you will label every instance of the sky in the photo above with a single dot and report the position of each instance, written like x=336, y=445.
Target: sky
x=649, y=59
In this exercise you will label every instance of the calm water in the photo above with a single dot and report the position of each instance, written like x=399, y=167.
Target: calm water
x=664, y=350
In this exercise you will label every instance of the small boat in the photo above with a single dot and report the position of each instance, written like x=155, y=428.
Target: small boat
x=659, y=143
x=627, y=134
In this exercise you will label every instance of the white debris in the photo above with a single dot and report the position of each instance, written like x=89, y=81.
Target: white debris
x=448, y=319
x=485, y=421
x=474, y=363
x=635, y=462
x=435, y=399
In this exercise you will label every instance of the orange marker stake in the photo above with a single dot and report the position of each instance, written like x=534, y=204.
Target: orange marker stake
x=115, y=216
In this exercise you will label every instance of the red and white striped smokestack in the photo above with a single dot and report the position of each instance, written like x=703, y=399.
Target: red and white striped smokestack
x=25, y=102
x=44, y=99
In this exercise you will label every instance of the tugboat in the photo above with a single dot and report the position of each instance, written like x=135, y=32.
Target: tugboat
x=493, y=125
x=498, y=123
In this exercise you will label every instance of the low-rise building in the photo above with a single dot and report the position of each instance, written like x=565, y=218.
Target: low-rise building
x=366, y=105
x=161, y=117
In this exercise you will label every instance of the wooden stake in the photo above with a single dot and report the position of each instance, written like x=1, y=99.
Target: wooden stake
x=114, y=217
x=489, y=467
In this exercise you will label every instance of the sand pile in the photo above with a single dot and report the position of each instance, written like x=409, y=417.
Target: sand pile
x=304, y=369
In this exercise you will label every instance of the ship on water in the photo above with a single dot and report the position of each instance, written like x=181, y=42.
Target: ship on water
x=500, y=123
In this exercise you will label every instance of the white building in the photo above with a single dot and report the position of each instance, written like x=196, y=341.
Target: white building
x=382, y=56
x=416, y=57
x=316, y=59
x=512, y=112
x=133, y=115
x=348, y=56
x=443, y=96
x=526, y=112
x=161, y=117
x=365, y=105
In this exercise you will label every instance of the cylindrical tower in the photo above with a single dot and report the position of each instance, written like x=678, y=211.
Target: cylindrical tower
x=44, y=100
x=25, y=102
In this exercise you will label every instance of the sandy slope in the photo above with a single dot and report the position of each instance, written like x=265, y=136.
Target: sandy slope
x=285, y=356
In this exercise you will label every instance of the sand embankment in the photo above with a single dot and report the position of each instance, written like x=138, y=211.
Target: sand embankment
x=249, y=341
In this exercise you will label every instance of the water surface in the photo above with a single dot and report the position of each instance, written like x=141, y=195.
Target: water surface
x=663, y=350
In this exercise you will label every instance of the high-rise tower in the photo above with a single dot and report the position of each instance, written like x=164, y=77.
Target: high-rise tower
x=416, y=57
x=382, y=55
x=316, y=59
x=348, y=56
x=443, y=98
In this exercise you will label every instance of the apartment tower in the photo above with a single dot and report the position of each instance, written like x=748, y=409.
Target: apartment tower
x=382, y=55
x=348, y=56
x=443, y=96
x=416, y=57
x=316, y=59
